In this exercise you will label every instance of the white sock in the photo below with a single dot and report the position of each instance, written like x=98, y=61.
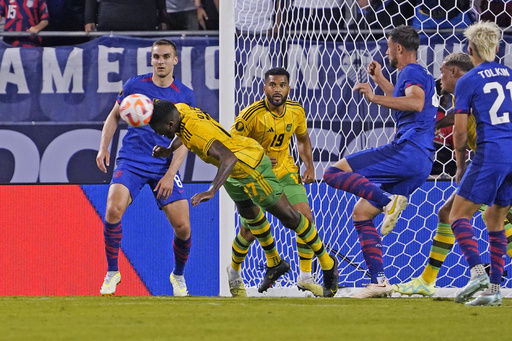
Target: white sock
x=381, y=279
x=233, y=273
x=477, y=270
x=304, y=275
x=493, y=289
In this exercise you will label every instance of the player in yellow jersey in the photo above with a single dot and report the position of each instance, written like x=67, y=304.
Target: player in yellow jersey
x=246, y=173
x=454, y=66
x=272, y=122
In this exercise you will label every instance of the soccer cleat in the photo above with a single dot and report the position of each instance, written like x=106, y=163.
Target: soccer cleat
x=486, y=300
x=273, y=274
x=375, y=290
x=331, y=279
x=392, y=211
x=112, y=279
x=309, y=284
x=416, y=286
x=179, y=287
x=472, y=287
x=236, y=285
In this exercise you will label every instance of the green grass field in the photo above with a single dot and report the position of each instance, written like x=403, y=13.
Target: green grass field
x=263, y=319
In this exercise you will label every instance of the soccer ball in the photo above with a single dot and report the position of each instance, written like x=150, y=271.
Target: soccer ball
x=136, y=110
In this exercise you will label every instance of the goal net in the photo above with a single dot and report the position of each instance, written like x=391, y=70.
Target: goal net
x=326, y=50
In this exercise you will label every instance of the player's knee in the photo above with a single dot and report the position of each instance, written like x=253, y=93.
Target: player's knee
x=444, y=214
x=114, y=213
x=182, y=230
x=247, y=234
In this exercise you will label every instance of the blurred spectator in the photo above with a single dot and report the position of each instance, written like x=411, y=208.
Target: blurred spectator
x=208, y=14
x=24, y=16
x=258, y=16
x=498, y=11
x=432, y=14
x=378, y=15
x=182, y=15
x=125, y=15
x=316, y=15
x=66, y=16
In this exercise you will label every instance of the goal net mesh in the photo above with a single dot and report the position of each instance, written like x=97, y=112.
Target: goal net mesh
x=326, y=51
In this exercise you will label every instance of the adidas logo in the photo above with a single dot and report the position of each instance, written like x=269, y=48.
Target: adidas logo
x=271, y=130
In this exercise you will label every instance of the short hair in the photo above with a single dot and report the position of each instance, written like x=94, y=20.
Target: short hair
x=405, y=36
x=460, y=60
x=485, y=38
x=162, y=109
x=167, y=42
x=277, y=71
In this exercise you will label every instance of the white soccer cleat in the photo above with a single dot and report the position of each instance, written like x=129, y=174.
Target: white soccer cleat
x=112, y=279
x=375, y=290
x=309, y=284
x=392, y=211
x=179, y=287
x=236, y=285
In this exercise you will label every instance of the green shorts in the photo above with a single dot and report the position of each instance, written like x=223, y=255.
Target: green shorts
x=262, y=186
x=293, y=188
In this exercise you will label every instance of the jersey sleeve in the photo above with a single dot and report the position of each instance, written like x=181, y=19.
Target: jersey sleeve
x=302, y=127
x=240, y=126
x=202, y=135
x=43, y=11
x=462, y=96
x=127, y=90
x=410, y=77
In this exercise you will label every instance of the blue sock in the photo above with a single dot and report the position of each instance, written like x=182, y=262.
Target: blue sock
x=181, y=251
x=465, y=237
x=356, y=184
x=113, y=234
x=498, y=249
x=371, y=245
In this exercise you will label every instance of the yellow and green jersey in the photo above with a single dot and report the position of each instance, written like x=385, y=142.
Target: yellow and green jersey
x=471, y=139
x=273, y=131
x=198, y=131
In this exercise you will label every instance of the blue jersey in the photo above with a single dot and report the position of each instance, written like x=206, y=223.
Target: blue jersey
x=138, y=143
x=487, y=90
x=417, y=127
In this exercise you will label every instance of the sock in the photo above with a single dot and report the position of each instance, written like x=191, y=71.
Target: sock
x=181, y=251
x=497, y=248
x=441, y=246
x=493, y=289
x=356, y=184
x=260, y=228
x=467, y=241
x=305, y=256
x=113, y=234
x=477, y=270
x=508, y=233
x=304, y=275
x=371, y=245
x=239, y=249
x=307, y=232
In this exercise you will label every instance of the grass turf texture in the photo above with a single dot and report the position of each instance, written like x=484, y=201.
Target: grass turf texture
x=214, y=318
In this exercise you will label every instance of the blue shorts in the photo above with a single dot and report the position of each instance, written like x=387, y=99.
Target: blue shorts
x=399, y=168
x=487, y=183
x=134, y=179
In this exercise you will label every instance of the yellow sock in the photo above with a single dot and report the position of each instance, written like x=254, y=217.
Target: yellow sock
x=239, y=250
x=307, y=232
x=441, y=246
x=260, y=228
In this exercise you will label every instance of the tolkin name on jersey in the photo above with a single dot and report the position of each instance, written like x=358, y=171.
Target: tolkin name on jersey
x=497, y=71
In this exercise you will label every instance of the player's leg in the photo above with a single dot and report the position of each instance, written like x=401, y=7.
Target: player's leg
x=371, y=247
x=118, y=200
x=441, y=246
x=239, y=250
x=177, y=212
x=460, y=216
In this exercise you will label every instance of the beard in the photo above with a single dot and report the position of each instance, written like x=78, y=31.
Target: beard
x=277, y=102
x=393, y=63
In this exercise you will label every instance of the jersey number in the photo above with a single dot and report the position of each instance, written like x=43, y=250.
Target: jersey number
x=11, y=12
x=277, y=141
x=493, y=112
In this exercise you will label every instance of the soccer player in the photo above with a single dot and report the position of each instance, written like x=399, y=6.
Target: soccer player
x=384, y=176
x=246, y=173
x=485, y=91
x=24, y=16
x=272, y=122
x=135, y=167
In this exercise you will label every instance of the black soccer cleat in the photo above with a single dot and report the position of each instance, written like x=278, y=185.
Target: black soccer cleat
x=273, y=274
x=331, y=278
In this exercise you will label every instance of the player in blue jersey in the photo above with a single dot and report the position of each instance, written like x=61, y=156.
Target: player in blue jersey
x=486, y=91
x=384, y=176
x=135, y=167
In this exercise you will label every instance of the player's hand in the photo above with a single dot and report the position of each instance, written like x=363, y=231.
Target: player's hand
x=374, y=70
x=33, y=30
x=308, y=176
x=90, y=27
x=164, y=187
x=200, y=197
x=273, y=160
x=366, y=90
x=202, y=17
x=103, y=160
x=161, y=151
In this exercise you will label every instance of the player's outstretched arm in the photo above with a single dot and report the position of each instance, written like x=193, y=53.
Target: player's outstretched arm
x=227, y=161
x=375, y=72
x=109, y=128
x=306, y=154
x=165, y=185
x=162, y=151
